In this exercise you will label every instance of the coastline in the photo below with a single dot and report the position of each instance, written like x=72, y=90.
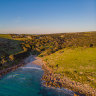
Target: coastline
x=36, y=60
x=5, y=71
x=54, y=80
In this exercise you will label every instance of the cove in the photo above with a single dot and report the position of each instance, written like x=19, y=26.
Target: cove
x=26, y=81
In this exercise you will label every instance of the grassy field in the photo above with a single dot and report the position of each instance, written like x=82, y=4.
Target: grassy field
x=5, y=36
x=78, y=64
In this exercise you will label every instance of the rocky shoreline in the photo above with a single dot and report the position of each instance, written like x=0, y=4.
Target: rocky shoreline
x=53, y=80
x=19, y=56
x=36, y=60
x=5, y=71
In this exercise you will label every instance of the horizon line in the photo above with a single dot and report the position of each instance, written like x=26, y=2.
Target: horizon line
x=49, y=33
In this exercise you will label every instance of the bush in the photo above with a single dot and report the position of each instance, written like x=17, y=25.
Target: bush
x=11, y=57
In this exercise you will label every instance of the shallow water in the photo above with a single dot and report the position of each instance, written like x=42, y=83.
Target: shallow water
x=26, y=81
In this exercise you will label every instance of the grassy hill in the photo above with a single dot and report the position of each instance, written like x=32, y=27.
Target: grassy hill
x=47, y=44
x=71, y=55
x=8, y=47
x=78, y=64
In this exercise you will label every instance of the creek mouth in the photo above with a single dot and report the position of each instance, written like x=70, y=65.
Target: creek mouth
x=26, y=81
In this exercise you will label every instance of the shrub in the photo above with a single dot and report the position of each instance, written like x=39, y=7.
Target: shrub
x=11, y=57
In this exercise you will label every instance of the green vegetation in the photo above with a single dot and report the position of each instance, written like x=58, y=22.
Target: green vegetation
x=8, y=36
x=70, y=54
x=8, y=48
x=43, y=45
x=79, y=64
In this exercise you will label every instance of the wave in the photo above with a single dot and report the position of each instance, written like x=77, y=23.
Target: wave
x=12, y=76
x=31, y=68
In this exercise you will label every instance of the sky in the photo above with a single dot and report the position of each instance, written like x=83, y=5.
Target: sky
x=47, y=16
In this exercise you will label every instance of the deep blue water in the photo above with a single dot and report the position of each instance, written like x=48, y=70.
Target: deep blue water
x=26, y=81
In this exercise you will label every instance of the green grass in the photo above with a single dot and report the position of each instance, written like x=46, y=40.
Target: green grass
x=8, y=45
x=8, y=48
x=5, y=36
x=79, y=64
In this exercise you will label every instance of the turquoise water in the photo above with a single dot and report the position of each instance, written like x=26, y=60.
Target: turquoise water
x=26, y=81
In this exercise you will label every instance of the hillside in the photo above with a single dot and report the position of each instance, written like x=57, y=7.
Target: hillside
x=78, y=64
x=8, y=48
x=67, y=54
x=49, y=43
